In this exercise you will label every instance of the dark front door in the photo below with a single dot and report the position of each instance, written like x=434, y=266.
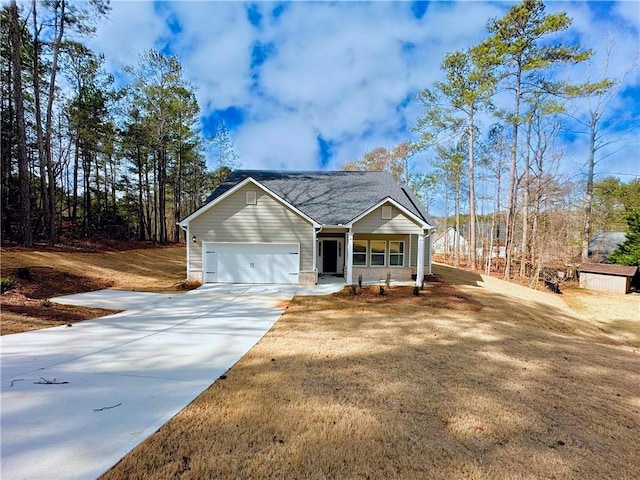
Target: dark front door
x=329, y=256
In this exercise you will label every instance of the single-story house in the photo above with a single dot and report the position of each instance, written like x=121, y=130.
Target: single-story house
x=606, y=277
x=290, y=227
x=605, y=243
x=446, y=242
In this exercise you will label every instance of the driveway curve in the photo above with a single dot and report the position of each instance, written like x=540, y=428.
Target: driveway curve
x=75, y=400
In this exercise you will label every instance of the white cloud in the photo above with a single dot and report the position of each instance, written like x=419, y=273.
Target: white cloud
x=129, y=29
x=282, y=143
x=215, y=46
x=340, y=70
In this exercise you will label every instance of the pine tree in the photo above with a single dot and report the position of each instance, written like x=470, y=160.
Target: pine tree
x=629, y=252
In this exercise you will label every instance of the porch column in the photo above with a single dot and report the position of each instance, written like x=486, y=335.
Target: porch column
x=420, y=265
x=430, y=238
x=349, y=254
x=314, y=254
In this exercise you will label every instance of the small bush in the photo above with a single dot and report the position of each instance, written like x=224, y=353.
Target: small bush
x=382, y=293
x=7, y=284
x=24, y=273
x=353, y=291
x=46, y=303
x=387, y=281
x=416, y=291
x=360, y=281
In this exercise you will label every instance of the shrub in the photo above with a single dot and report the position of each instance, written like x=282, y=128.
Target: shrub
x=7, y=284
x=23, y=273
x=416, y=291
x=353, y=290
x=360, y=280
x=46, y=303
x=381, y=292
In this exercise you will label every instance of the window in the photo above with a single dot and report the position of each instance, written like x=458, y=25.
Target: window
x=396, y=254
x=387, y=211
x=360, y=252
x=250, y=197
x=378, y=252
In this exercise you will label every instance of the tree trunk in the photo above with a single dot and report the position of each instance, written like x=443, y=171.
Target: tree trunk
x=50, y=228
x=162, y=191
x=525, y=206
x=513, y=188
x=456, y=238
x=588, y=217
x=76, y=166
x=44, y=190
x=26, y=229
x=141, y=220
x=472, y=196
x=7, y=135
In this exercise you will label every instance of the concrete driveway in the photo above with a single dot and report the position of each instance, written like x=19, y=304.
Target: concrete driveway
x=75, y=400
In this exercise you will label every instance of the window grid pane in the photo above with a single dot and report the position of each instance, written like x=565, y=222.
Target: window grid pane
x=378, y=253
x=396, y=254
x=360, y=252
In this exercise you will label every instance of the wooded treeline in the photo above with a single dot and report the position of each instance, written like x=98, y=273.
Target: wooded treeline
x=81, y=157
x=491, y=132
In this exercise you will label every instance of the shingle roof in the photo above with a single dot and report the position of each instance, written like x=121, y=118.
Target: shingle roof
x=330, y=198
x=608, y=269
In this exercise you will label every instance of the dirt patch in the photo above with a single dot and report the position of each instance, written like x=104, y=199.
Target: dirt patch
x=27, y=306
x=43, y=274
x=42, y=282
x=27, y=314
x=434, y=294
x=86, y=245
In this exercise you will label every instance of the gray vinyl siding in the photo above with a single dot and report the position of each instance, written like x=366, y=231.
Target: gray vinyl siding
x=398, y=224
x=268, y=221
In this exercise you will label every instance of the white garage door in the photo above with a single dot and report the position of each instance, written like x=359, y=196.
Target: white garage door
x=251, y=262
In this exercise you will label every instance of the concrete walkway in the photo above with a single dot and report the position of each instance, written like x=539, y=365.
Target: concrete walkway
x=75, y=400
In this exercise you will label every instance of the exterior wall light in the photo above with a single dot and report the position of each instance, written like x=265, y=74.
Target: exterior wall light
x=194, y=239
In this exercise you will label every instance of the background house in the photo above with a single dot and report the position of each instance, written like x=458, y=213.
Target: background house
x=605, y=243
x=446, y=242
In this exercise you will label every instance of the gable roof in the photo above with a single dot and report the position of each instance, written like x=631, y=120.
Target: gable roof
x=609, y=269
x=329, y=198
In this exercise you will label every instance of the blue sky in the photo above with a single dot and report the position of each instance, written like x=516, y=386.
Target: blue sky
x=312, y=85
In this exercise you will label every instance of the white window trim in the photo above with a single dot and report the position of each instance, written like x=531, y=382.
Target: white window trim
x=251, y=197
x=366, y=253
x=387, y=212
x=402, y=255
x=384, y=254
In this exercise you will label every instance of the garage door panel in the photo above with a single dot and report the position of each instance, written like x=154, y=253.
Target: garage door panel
x=253, y=263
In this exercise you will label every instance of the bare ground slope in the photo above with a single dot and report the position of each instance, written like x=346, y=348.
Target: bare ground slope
x=50, y=272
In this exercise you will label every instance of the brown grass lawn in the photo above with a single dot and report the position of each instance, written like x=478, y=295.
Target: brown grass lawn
x=53, y=273
x=519, y=386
